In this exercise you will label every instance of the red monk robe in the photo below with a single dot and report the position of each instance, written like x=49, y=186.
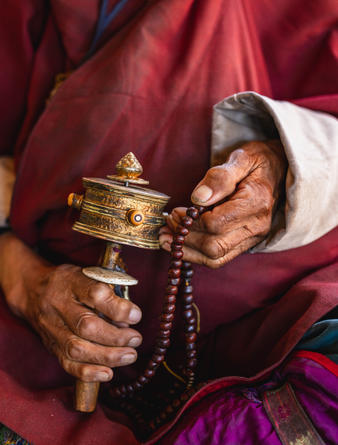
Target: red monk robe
x=150, y=90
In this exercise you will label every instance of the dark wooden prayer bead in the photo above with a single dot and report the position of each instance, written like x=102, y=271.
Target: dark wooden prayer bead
x=188, y=314
x=187, y=289
x=186, y=265
x=152, y=364
x=171, y=289
x=192, y=212
x=149, y=373
x=165, y=334
x=187, y=221
x=190, y=346
x=180, y=230
x=159, y=350
x=130, y=389
x=175, y=264
x=115, y=392
x=163, y=342
x=169, y=308
x=158, y=358
x=189, y=328
x=176, y=246
x=166, y=325
x=177, y=255
x=187, y=273
x=191, y=338
x=142, y=379
x=191, y=321
x=188, y=298
x=174, y=273
x=123, y=389
x=137, y=385
x=170, y=299
x=191, y=354
x=174, y=281
x=192, y=363
x=200, y=209
x=187, y=306
x=167, y=317
x=179, y=239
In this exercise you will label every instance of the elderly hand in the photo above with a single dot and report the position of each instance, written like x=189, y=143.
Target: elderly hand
x=243, y=194
x=62, y=305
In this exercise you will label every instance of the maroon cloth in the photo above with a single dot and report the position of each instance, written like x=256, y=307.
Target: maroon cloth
x=150, y=90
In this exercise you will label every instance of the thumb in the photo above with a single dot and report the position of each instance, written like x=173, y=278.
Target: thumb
x=221, y=181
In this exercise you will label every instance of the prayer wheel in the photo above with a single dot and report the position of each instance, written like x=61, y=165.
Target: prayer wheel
x=119, y=210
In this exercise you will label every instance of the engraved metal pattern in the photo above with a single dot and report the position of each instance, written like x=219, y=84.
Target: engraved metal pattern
x=105, y=209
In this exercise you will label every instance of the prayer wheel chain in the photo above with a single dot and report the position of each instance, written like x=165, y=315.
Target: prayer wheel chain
x=178, y=271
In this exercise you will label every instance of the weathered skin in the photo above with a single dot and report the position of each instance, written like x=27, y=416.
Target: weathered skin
x=251, y=183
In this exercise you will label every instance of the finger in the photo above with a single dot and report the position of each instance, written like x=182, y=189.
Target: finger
x=230, y=215
x=197, y=257
x=221, y=181
x=88, y=325
x=214, y=246
x=165, y=230
x=79, y=350
x=165, y=241
x=86, y=372
x=100, y=296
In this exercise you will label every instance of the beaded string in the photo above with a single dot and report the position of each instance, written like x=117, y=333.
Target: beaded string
x=179, y=279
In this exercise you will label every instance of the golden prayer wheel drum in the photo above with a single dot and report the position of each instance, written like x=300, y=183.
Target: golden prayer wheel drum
x=117, y=209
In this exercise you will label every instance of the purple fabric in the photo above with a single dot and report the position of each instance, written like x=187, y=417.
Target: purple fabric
x=237, y=416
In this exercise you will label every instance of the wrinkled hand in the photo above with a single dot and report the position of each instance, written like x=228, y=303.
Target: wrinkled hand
x=62, y=305
x=244, y=192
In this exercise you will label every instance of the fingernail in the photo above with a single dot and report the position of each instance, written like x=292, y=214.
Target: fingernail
x=135, y=315
x=134, y=342
x=202, y=193
x=127, y=359
x=102, y=376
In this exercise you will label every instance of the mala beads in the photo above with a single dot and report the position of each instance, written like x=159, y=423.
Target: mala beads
x=179, y=279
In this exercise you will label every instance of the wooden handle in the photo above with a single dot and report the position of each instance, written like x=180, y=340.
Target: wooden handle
x=86, y=396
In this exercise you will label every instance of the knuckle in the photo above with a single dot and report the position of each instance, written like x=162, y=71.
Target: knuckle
x=122, y=310
x=215, y=173
x=216, y=248
x=100, y=293
x=86, y=326
x=214, y=263
x=74, y=349
x=240, y=155
x=112, y=358
x=84, y=373
x=211, y=223
x=264, y=226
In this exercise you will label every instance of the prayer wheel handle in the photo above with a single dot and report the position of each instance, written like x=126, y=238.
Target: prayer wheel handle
x=86, y=394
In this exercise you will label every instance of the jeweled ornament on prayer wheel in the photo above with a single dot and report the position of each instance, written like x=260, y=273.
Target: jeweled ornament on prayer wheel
x=119, y=210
